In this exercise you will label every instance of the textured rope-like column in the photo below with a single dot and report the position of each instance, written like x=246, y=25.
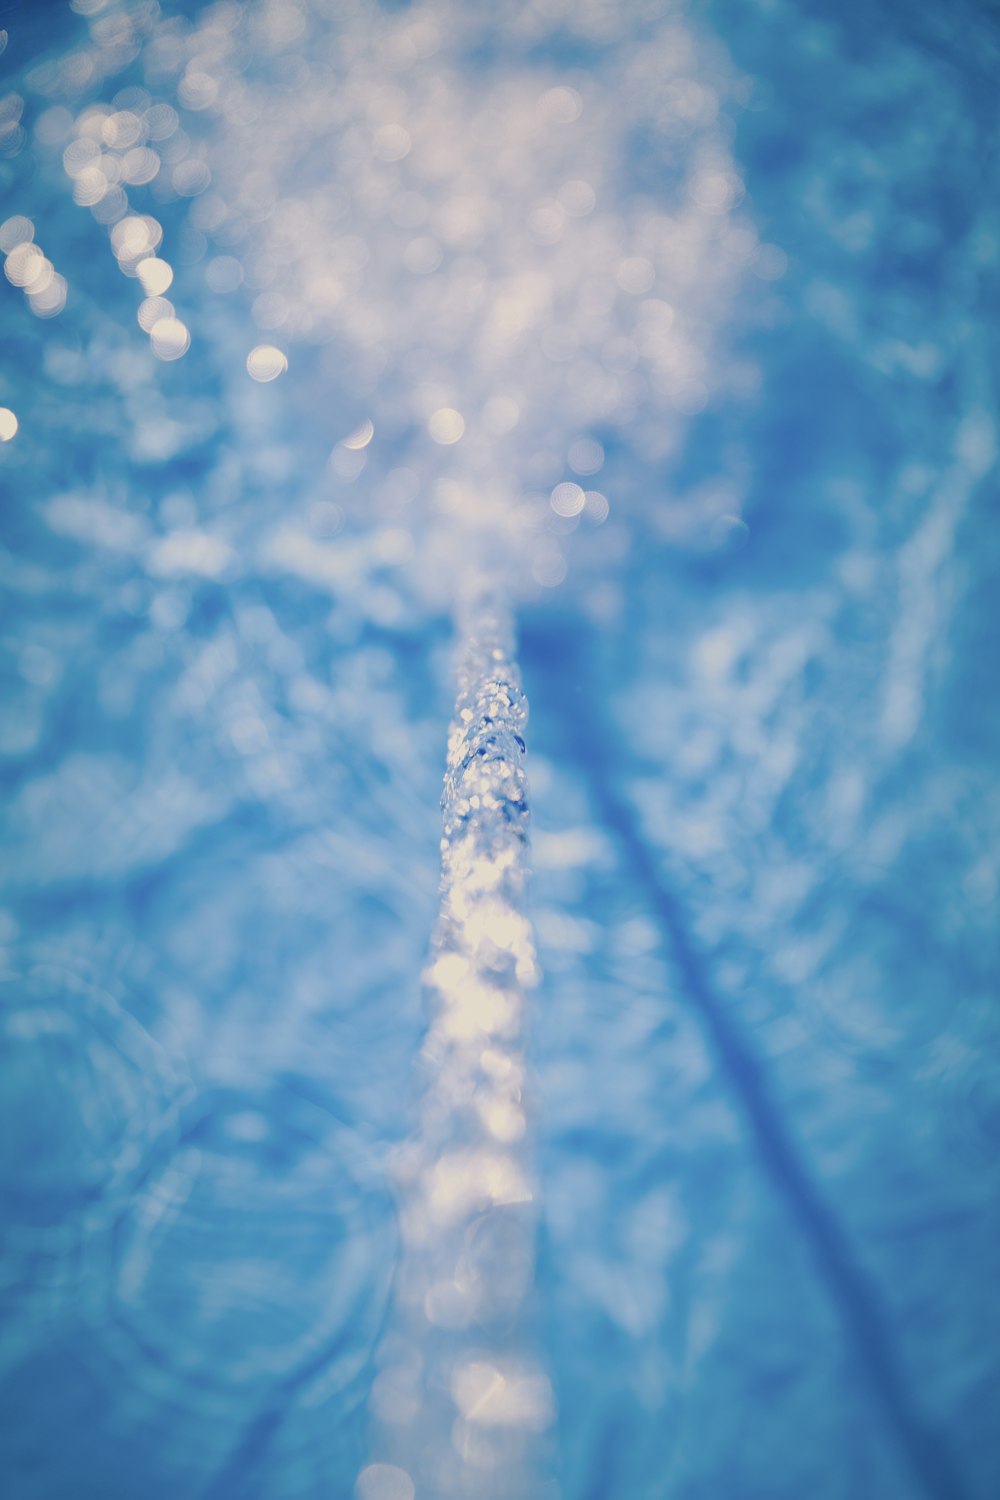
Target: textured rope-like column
x=459, y=1403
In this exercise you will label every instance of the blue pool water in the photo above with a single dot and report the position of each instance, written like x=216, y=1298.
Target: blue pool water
x=676, y=328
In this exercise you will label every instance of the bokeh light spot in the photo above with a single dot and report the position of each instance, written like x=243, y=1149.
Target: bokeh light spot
x=224, y=273
x=384, y=1482
x=360, y=437
x=446, y=426
x=17, y=230
x=597, y=507
x=155, y=276
x=585, y=456
x=153, y=310
x=392, y=143
x=567, y=499
x=170, y=338
x=266, y=362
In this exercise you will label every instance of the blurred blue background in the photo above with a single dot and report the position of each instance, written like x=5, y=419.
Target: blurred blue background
x=709, y=295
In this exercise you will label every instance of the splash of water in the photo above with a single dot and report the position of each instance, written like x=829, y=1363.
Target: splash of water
x=460, y=1401
x=454, y=247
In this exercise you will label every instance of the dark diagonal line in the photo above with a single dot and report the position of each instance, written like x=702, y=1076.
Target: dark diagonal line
x=851, y=1290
